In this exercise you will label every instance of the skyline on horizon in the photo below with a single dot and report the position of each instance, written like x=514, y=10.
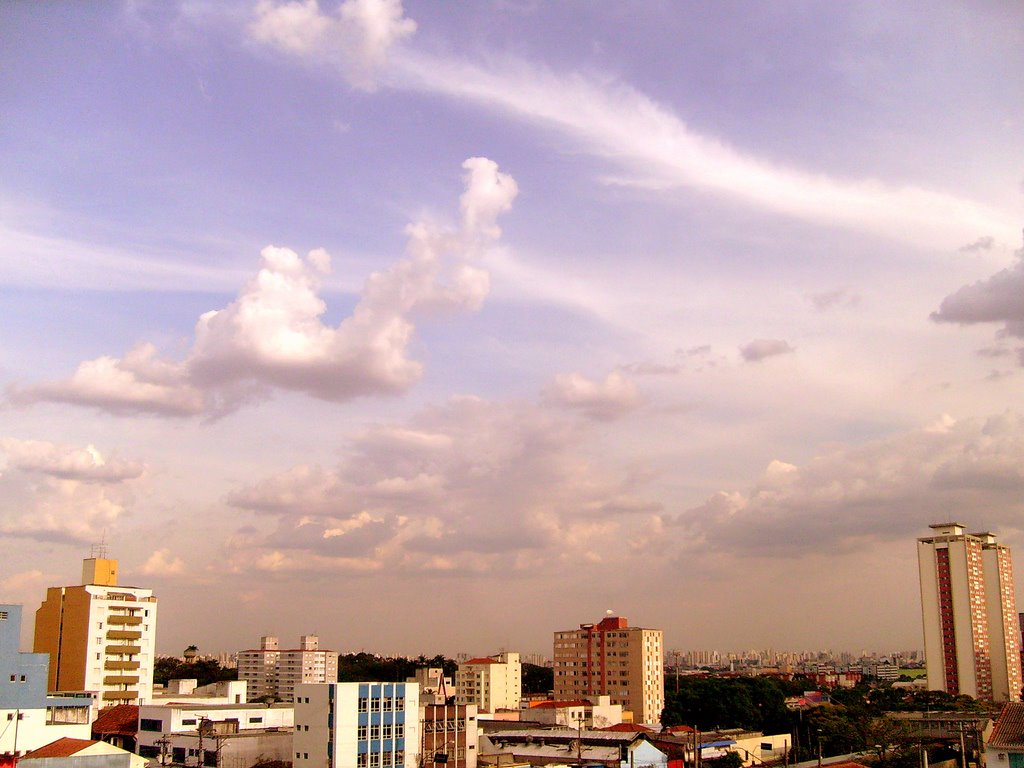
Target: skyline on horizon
x=430, y=323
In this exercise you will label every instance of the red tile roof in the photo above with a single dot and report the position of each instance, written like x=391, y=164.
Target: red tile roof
x=483, y=660
x=1008, y=732
x=628, y=728
x=679, y=729
x=548, y=704
x=121, y=719
x=65, y=747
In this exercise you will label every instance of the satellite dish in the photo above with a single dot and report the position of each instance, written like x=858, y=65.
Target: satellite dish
x=609, y=612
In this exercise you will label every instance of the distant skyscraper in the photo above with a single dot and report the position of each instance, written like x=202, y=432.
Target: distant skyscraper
x=100, y=636
x=971, y=629
x=614, y=659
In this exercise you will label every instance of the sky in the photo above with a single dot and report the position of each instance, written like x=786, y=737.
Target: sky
x=436, y=328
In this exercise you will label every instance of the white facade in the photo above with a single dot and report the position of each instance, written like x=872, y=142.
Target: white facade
x=490, y=683
x=356, y=725
x=187, y=691
x=183, y=720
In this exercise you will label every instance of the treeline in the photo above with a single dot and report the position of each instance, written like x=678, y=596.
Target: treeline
x=205, y=671
x=356, y=667
x=853, y=721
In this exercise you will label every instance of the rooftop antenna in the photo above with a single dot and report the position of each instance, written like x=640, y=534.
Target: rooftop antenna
x=99, y=551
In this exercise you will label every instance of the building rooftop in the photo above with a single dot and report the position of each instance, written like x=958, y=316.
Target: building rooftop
x=64, y=747
x=121, y=719
x=1008, y=732
x=482, y=660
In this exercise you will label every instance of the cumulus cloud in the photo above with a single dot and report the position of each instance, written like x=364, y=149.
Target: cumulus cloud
x=273, y=334
x=605, y=400
x=472, y=485
x=67, y=462
x=163, y=563
x=357, y=38
x=846, y=497
x=62, y=493
x=761, y=349
x=997, y=299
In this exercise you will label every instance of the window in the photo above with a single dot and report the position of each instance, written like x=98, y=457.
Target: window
x=361, y=760
x=399, y=705
x=375, y=760
x=386, y=705
x=255, y=719
x=146, y=724
x=361, y=733
x=375, y=731
x=399, y=757
x=363, y=704
x=3, y=615
x=22, y=678
x=399, y=730
x=387, y=757
x=386, y=732
x=188, y=721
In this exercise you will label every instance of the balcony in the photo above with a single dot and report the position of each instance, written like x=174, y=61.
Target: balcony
x=123, y=619
x=123, y=650
x=121, y=680
x=121, y=665
x=120, y=695
x=123, y=634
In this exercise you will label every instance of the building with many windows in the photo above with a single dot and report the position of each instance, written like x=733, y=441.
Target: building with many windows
x=100, y=636
x=448, y=735
x=612, y=659
x=272, y=672
x=356, y=725
x=971, y=630
x=490, y=683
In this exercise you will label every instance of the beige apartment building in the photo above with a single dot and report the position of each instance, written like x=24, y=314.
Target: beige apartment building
x=615, y=660
x=490, y=682
x=100, y=636
x=971, y=627
x=273, y=672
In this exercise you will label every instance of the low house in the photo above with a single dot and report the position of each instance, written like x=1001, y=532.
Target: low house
x=1005, y=745
x=535, y=747
x=80, y=753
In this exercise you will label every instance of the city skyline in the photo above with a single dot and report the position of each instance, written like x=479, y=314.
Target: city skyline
x=409, y=326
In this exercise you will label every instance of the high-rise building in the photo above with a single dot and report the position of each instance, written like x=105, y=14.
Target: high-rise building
x=490, y=682
x=613, y=659
x=100, y=636
x=356, y=725
x=272, y=672
x=971, y=630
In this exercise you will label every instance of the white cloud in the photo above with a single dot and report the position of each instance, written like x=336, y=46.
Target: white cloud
x=604, y=400
x=67, y=462
x=273, y=334
x=163, y=563
x=884, y=490
x=357, y=39
x=492, y=485
x=761, y=349
x=62, y=493
x=837, y=297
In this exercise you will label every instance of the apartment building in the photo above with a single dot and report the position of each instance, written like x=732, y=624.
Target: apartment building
x=490, y=683
x=100, y=636
x=971, y=629
x=273, y=672
x=356, y=725
x=612, y=659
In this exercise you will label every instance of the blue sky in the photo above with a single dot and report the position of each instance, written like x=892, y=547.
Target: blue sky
x=394, y=321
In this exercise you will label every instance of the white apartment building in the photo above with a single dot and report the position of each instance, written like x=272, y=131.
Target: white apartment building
x=490, y=683
x=971, y=628
x=101, y=637
x=356, y=725
x=273, y=672
x=615, y=660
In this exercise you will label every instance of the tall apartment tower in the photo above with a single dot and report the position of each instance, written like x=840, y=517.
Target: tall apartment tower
x=971, y=629
x=613, y=659
x=271, y=671
x=100, y=636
